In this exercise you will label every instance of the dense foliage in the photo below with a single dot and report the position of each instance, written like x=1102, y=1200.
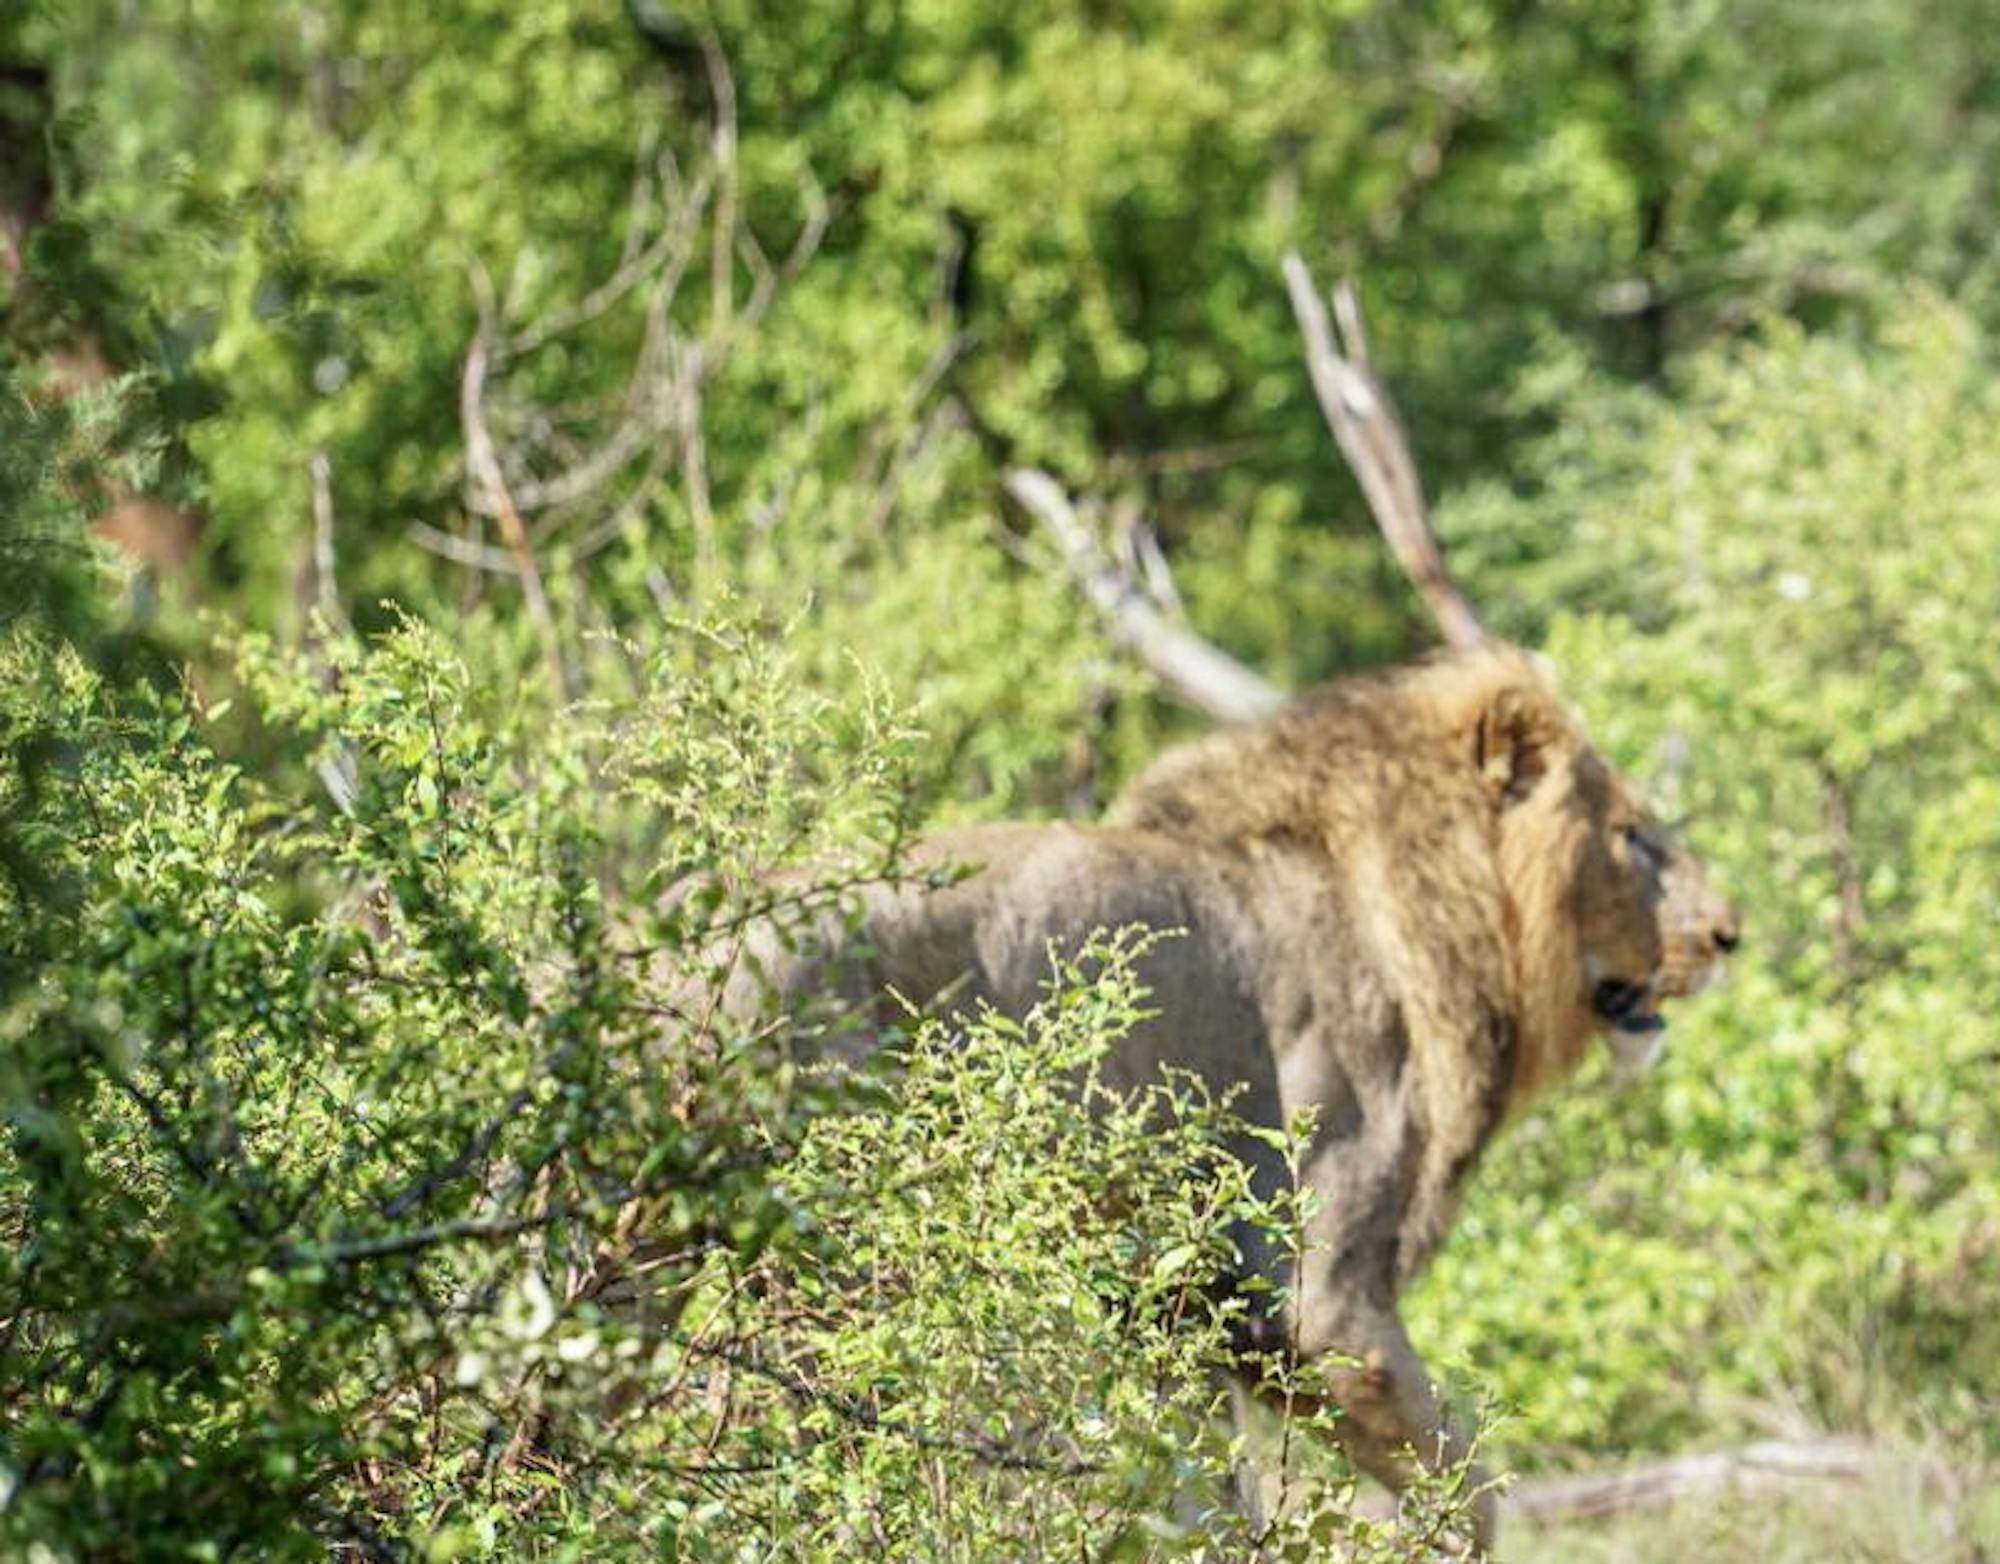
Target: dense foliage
x=589, y=418
x=1780, y=584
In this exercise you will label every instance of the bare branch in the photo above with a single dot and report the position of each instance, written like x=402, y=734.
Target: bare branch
x=1371, y=437
x=613, y=526
x=1200, y=458
x=690, y=369
x=632, y=436
x=325, y=588
x=878, y=450
x=463, y=551
x=672, y=244
x=913, y=453
x=534, y=463
x=906, y=440
x=639, y=202
x=1204, y=676
x=1353, y=330
x=819, y=216
x=338, y=771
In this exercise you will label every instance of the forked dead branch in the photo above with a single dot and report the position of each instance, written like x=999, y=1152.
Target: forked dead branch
x=1140, y=610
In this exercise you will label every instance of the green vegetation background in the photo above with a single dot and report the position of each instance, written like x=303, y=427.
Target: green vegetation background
x=1690, y=309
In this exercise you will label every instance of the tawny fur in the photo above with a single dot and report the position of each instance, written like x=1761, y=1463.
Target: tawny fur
x=1396, y=898
x=1391, y=778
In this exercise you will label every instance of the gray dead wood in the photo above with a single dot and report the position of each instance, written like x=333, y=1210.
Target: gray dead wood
x=1202, y=674
x=1370, y=435
x=1758, y=1468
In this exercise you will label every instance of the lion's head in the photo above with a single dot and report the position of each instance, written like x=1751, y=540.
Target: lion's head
x=1610, y=915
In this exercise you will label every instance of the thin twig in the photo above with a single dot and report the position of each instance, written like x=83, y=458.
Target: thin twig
x=878, y=452
x=672, y=239
x=326, y=592
x=484, y=466
x=722, y=239
x=691, y=370
x=767, y=279
x=613, y=526
x=339, y=770
x=462, y=551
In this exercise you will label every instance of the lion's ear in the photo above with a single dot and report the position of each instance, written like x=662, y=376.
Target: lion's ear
x=1514, y=739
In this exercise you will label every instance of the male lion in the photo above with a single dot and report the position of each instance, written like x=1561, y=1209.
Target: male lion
x=1409, y=901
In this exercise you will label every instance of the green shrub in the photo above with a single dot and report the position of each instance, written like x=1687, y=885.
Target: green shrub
x=381, y=1172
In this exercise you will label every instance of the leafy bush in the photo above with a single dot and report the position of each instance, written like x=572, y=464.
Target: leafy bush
x=1067, y=225
x=382, y=1171
x=250, y=1032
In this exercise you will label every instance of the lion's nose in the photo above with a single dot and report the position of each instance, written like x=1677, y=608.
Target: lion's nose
x=1727, y=930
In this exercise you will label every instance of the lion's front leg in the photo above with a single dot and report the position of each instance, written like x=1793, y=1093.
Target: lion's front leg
x=1390, y=1420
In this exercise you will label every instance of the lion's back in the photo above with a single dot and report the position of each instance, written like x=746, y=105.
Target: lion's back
x=1033, y=894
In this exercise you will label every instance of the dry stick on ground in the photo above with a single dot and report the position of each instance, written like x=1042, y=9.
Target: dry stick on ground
x=1756, y=1468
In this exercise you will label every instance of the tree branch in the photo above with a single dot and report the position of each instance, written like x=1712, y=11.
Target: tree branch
x=522, y=463
x=462, y=551
x=1363, y=420
x=1364, y=423
x=722, y=259
x=668, y=250
x=483, y=465
x=1203, y=675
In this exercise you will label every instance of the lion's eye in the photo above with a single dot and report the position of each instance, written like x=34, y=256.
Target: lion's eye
x=1643, y=848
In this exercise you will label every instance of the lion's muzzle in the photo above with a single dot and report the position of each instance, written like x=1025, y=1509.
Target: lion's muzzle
x=1627, y=1006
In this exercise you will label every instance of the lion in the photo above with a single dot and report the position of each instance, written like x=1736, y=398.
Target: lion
x=1408, y=902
